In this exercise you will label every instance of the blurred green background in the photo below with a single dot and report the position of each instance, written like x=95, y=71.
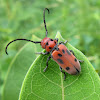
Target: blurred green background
x=77, y=20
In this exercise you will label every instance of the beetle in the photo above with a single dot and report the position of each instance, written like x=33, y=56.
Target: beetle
x=58, y=52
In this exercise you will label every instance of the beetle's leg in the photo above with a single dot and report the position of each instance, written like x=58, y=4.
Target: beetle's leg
x=42, y=53
x=47, y=63
x=81, y=61
x=63, y=42
x=63, y=73
x=72, y=52
x=56, y=39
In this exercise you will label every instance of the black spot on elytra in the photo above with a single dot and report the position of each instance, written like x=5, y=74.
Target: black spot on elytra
x=67, y=68
x=77, y=70
x=68, y=52
x=60, y=61
x=51, y=39
x=63, y=51
x=47, y=43
x=50, y=47
x=75, y=60
x=60, y=55
x=55, y=42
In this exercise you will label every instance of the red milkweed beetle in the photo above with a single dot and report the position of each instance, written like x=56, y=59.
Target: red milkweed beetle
x=58, y=52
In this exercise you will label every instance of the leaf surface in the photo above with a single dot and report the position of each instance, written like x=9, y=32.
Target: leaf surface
x=50, y=85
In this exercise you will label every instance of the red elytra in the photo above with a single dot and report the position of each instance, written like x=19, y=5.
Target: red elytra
x=59, y=53
x=66, y=60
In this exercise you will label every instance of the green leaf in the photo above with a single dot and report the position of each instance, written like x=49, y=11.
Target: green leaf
x=50, y=85
x=18, y=69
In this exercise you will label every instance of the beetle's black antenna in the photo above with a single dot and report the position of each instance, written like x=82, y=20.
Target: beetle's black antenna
x=19, y=39
x=44, y=20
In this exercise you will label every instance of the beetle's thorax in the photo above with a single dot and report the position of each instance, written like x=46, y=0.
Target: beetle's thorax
x=48, y=44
